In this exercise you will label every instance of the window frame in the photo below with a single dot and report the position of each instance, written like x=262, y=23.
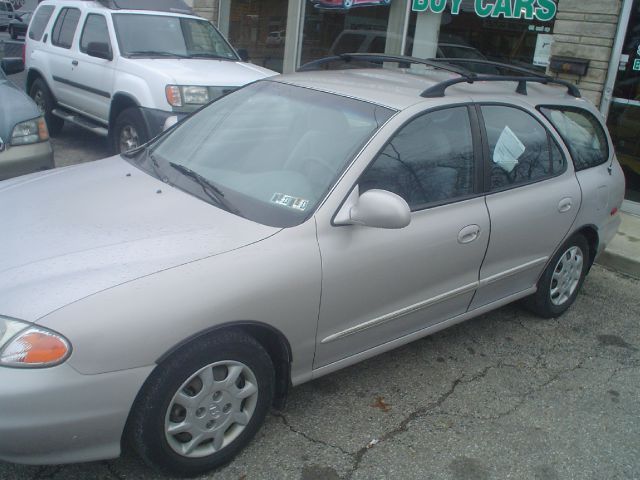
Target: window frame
x=567, y=144
x=44, y=8
x=62, y=17
x=478, y=176
x=487, y=154
x=84, y=27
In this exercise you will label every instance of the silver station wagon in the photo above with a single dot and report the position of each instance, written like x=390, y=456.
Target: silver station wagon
x=172, y=295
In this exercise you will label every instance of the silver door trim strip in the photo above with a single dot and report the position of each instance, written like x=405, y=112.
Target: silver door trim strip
x=402, y=312
x=625, y=101
x=513, y=271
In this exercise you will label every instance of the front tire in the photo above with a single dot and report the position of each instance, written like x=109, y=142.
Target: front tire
x=129, y=131
x=562, y=279
x=202, y=405
x=43, y=98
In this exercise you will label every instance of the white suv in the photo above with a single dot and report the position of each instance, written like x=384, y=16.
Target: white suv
x=120, y=68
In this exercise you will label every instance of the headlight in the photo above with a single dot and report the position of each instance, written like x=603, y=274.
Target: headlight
x=31, y=131
x=28, y=346
x=181, y=95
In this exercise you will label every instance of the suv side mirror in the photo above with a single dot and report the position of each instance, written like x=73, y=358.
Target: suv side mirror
x=243, y=53
x=12, y=65
x=375, y=208
x=99, y=50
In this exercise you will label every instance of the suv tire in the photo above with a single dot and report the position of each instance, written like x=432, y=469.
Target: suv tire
x=216, y=388
x=41, y=94
x=562, y=279
x=129, y=131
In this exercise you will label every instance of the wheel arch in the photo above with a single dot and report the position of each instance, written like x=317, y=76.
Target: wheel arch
x=33, y=75
x=119, y=103
x=271, y=339
x=590, y=233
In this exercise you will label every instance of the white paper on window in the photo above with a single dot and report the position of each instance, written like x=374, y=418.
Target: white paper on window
x=508, y=150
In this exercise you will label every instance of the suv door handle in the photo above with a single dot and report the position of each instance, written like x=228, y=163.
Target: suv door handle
x=565, y=205
x=468, y=234
x=74, y=63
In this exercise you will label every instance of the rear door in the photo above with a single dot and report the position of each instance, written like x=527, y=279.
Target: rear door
x=62, y=56
x=533, y=198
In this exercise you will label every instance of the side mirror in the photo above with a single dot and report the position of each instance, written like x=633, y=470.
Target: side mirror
x=243, y=53
x=375, y=208
x=12, y=65
x=99, y=50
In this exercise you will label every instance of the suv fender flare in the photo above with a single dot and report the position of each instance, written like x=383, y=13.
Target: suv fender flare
x=34, y=74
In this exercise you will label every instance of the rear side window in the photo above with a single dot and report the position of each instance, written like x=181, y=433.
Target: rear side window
x=582, y=133
x=65, y=27
x=95, y=31
x=39, y=22
x=521, y=151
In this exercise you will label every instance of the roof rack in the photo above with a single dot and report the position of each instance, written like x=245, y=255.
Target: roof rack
x=450, y=65
x=173, y=6
x=403, y=60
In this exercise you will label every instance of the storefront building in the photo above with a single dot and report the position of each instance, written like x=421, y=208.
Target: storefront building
x=595, y=43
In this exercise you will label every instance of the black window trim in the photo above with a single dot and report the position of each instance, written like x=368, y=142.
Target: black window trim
x=62, y=17
x=568, y=144
x=478, y=187
x=487, y=156
x=84, y=27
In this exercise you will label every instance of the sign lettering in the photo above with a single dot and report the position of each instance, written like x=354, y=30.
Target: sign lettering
x=543, y=10
x=636, y=64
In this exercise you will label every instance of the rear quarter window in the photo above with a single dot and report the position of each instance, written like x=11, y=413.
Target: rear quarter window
x=582, y=133
x=39, y=22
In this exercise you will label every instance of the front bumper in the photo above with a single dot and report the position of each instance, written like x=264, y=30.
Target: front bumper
x=57, y=415
x=23, y=159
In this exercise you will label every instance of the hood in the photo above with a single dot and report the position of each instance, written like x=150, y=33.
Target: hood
x=15, y=107
x=206, y=72
x=72, y=232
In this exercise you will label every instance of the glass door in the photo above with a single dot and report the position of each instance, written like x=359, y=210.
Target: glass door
x=624, y=114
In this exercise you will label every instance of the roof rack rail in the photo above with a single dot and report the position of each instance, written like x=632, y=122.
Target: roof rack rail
x=174, y=6
x=438, y=89
x=381, y=58
x=506, y=66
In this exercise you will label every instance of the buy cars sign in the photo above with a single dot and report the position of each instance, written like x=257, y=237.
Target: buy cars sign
x=543, y=10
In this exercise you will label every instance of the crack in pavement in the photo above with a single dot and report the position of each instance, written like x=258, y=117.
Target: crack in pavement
x=286, y=423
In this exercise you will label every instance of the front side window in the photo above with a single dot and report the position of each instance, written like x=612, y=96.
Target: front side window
x=39, y=22
x=582, y=133
x=429, y=161
x=65, y=27
x=521, y=150
x=95, y=31
x=272, y=150
x=141, y=35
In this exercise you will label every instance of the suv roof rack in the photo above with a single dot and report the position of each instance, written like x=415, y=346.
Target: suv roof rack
x=172, y=6
x=451, y=65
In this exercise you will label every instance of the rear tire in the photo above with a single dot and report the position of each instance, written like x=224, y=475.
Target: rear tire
x=562, y=279
x=43, y=97
x=129, y=131
x=203, y=404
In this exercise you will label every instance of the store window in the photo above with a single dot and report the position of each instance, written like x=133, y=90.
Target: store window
x=333, y=27
x=521, y=38
x=259, y=27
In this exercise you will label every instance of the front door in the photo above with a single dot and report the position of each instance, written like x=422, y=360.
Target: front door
x=379, y=285
x=624, y=114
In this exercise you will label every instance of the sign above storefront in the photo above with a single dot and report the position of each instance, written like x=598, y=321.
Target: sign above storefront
x=543, y=10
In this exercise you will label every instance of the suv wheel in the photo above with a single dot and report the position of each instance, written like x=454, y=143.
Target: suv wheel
x=129, y=131
x=43, y=98
x=201, y=406
x=561, y=281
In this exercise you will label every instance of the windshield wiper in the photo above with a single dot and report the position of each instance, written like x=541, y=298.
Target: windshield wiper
x=155, y=53
x=209, y=188
x=210, y=55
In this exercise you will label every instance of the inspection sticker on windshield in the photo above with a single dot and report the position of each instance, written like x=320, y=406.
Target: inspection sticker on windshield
x=289, y=201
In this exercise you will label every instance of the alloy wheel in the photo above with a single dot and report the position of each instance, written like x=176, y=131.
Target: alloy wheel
x=129, y=138
x=566, y=275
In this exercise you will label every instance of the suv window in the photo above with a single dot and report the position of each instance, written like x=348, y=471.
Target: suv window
x=95, y=31
x=39, y=22
x=582, y=133
x=65, y=27
x=429, y=161
x=521, y=150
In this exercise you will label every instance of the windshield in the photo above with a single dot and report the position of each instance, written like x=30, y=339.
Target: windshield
x=269, y=152
x=164, y=36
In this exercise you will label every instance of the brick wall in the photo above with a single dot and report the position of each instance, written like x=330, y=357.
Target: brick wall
x=206, y=8
x=586, y=29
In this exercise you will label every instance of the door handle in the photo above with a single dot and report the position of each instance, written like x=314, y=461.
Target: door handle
x=565, y=205
x=74, y=63
x=468, y=234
